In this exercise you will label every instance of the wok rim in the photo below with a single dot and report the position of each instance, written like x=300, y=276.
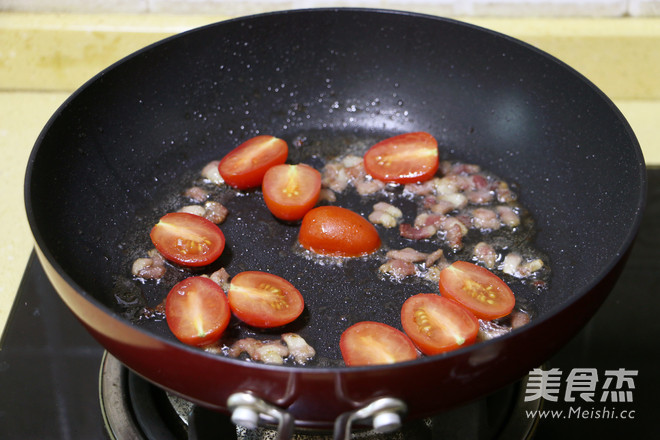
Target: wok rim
x=577, y=295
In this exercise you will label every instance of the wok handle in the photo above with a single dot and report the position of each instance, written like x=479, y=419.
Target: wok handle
x=384, y=413
x=247, y=410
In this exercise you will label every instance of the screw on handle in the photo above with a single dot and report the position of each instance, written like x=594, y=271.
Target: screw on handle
x=245, y=416
x=386, y=422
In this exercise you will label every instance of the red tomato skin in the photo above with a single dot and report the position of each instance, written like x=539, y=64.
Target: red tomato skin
x=338, y=232
x=452, y=285
x=435, y=343
x=164, y=238
x=244, y=167
x=357, y=341
x=307, y=183
x=419, y=159
x=208, y=298
x=256, y=312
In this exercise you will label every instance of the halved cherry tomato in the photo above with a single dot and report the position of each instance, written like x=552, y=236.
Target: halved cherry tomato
x=373, y=343
x=478, y=289
x=339, y=232
x=244, y=167
x=437, y=324
x=197, y=311
x=291, y=190
x=264, y=300
x=188, y=239
x=406, y=158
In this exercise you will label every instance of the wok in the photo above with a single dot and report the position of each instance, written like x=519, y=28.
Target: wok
x=109, y=159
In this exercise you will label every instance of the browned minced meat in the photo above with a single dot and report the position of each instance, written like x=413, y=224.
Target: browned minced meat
x=299, y=349
x=427, y=225
x=274, y=351
x=154, y=312
x=151, y=267
x=401, y=264
x=385, y=214
x=462, y=198
x=515, y=265
x=484, y=218
x=492, y=329
x=197, y=194
x=213, y=211
x=485, y=254
x=508, y=216
x=407, y=254
x=221, y=277
x=454, y=230
x=338, y=175
x=398, y=268
x=327, y=195
x=269, y=352
x=211, y=173
x=436, y=258
x=519, y=318
x=470, y=195
x=417, y=232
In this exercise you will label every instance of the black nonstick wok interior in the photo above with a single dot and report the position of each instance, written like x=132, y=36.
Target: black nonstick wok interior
x=111, y=157
x=337, y=292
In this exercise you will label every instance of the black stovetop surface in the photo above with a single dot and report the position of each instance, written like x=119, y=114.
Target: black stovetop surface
x=49, y=364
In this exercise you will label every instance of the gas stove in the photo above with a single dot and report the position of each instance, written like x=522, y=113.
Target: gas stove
x=56, y=382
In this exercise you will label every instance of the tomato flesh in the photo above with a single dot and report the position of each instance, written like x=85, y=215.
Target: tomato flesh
x=406, y=158
x=188, y=239
x=264, y=300
x=374, y=343
x=339, y=232
x=244, y=167
x=291, y=190
x=478, y=289
x=197, y=311
x=437, y=324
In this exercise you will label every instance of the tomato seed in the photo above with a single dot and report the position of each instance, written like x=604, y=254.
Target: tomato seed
x=479, y=292
x=279, y=302
x=423, y=322
x=186, y=246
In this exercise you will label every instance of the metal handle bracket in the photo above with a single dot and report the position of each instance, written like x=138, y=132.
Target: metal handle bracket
x=384, y=413
x=248, y=410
